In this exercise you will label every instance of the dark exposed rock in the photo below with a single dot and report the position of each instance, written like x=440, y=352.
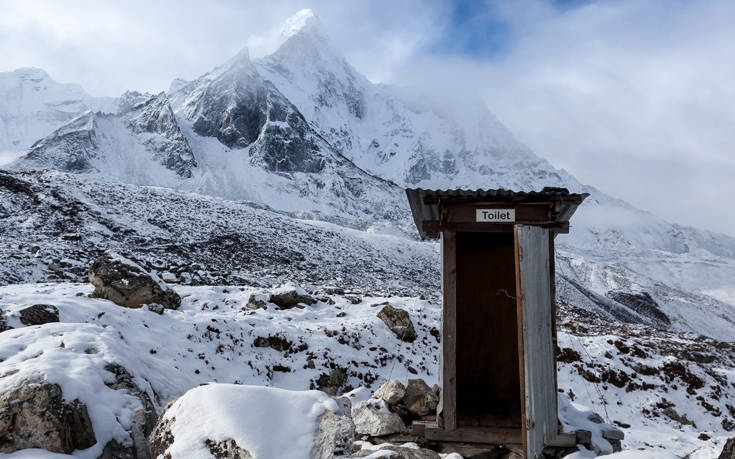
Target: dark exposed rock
x=642, y=303
x=728, y=451
x=125, y=283
x=34, y=415
x=399, y=322
x=227, y=449
x=331, y=383
x=39, y=314
x=289, y=296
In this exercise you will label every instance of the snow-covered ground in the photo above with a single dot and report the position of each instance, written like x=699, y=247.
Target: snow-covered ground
x=636, y=378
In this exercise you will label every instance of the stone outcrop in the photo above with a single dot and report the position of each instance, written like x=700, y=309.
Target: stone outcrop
x=144, y=420
x=335, y=432
x=34, y=415
x=399, y=322
x=391, y=392
x=372, y=417
x=728, y=451
x=420, y=399
x=127, y=284
x=290, y=295
x=39, y=314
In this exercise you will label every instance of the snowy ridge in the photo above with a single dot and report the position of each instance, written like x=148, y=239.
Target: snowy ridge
x=32, y=105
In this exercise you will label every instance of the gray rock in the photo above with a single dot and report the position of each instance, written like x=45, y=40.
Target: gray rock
x=290, y=296
x=399, y=322
x=400, y=452
x=39, y=314
x=372, y=417
x=335, y=432
x=161, y=438
x=34, y=415
x=127, y=284
x=157, y=308
x=420, y=399
x=392, y=392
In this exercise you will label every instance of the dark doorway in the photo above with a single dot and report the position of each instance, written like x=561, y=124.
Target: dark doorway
x=488, y=381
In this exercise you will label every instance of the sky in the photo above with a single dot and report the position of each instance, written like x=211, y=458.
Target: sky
x=635, y=97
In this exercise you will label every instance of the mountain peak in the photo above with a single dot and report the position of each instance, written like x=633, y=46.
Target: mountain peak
x=304, y=21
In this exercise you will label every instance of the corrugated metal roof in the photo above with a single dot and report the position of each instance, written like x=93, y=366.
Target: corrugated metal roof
x=426, y=204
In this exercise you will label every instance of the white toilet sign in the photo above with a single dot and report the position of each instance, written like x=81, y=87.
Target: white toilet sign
x=495, y=215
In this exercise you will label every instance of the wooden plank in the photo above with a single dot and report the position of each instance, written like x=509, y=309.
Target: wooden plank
x=447, y=418
x=521, y=344
x=475, y=435
x=534, y=294
x=435, y=226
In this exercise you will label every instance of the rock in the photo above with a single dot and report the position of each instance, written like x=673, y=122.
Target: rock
x=420, y=399
x=596, y=418
x=372, y=417
x=161, y=438
x=257, y=301
x=728, y=451
x=335, y=432
x=144, y=420
x=290, y=295
x=399, y=452
x=127, y=284
x=39, y=314
x=227, y=449
x=399, y=322
x=3, y=322
x=157, y=308
x=331, y=383
x=353, y=299
x=391, y=392
x=34, y=415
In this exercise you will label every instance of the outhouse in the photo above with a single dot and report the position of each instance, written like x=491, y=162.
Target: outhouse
x=498, y=334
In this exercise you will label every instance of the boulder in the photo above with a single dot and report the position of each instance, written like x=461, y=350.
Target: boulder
x=728, y=451
x=39, y=314
x=372, y=417
x=399, y=452
x=399, y=322
x=289, y=295
x=34, y=415
x=391, y=392
x=335, y=432
x=126, y=283
x=144, y=420
x=227, y=449
x=420, y=399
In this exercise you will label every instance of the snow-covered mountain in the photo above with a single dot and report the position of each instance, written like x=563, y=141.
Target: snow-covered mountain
x=301, y=131
x=32, y=105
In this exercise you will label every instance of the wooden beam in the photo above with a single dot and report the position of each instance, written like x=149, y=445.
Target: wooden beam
x=475, y=435
x=435, y=226
x=521, y=347
x=448, y=419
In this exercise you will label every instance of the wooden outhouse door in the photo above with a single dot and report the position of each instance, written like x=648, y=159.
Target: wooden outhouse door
x=533, y=293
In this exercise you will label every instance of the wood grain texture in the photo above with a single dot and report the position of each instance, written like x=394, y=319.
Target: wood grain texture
x=447, y=419
x=538, y=351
